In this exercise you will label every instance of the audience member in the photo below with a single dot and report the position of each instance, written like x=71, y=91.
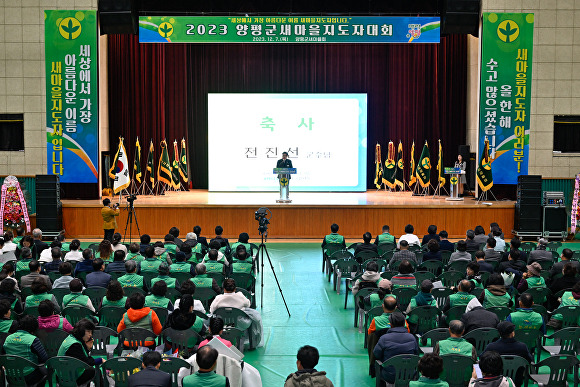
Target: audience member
x=472, y=275
x=566, y=257
x=334, y=238
x=569, y=298
x=118, y=264
x=480, y=236
x=218, y=237
x=382, y=322
x=40, y=293
x=53, y=265
x=376, y=299
x=430, y=366
x=9, y=244
x=7, y=324
x=491, y=254
x=105, y=251
x=567, y=281
x=365, y=247
x=495, y=293
x=460, y=298
x=86, y=265
x=471, y=244
x=161, y=253
x=411, y=238
x=423, y=298
x=188, y=287
x=214, y=263
x=525, y=318
x=206, y=359
x=35, y=269
x=46, y=255
x=499, y=242
x=477, y=317
x=432, y=253
x=116, y=244
x=455, y=344
x=444, y=244
x=76, y=296
x=385, y=237
x=183, y=318
x=157, y=297
x=145, y=240
x=532, y=279
x=7, y=273
x=22, y=266
x=163, y=275
x=180, y=265
x=403, y=254
x=174, y=231
x=134, y=253
x=150, y=264
x=230, y=298
x=369, y=278
x=7, y=293
x=187, y=252
x=492, y=226
x=431, y=235
x=65, y=270
x=515, y=244
x=307, y=375
x=98, y=278
x=405, y=277
x=491, y=366
x=131, y=279
x=513, y=263
x=242, y=261
x=39, y=245
x=216, y=328
x=540, y=254
x=150, y=375
x=169, y=244
x=507, y=344
x=461, y=254
x=78, y=345
x=115, y=296
x=201, y=280
x=200, y=239
x=140, y=316
x=483, y=265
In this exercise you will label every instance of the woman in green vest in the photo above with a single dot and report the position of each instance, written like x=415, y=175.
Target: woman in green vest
x=183, y=319
x=48, y=321
x=79, y=345
x=7, y=325
x=105, y=251
x=134, y=253
x=157, y=297
x=243, y=240
x=495, y=293
x=532, y=279
x=115, y=296
x=242, y=261
x=430, y=366
x=569, y=298
x=24, y=343
x=40, y=293
x=163, y=271
x=76, y=296
x=8, y=293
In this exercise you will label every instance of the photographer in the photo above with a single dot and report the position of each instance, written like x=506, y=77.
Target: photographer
x=108, y=213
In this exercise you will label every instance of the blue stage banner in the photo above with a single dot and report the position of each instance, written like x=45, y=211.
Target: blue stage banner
x=281, y=29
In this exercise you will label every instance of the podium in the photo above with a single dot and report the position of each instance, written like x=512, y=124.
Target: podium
x=454, y=180
x=284, y=179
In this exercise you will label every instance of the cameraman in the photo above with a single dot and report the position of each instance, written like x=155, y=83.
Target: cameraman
x=108, y=213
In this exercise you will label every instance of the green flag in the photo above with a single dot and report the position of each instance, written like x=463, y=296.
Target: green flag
x=164, y=168
x=183, y=161
x=137, y=161
x=390, y=167
x=151, y=163
x=378, y=166
x=175, y=167
x=484, y=176
x=424, y=167
x=399, y=175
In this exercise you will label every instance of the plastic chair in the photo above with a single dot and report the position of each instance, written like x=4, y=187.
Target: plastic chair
x=172, y=365
x=380, y=262
x=51, y=341
x=75, y=313
x=204, y=295
x=244, y=280
x=59, y=294
x=147, y=277
x=135, y=337
x=512, y=365
x=369, y=316
x=455, y=313
x=440, y=295
x=162, y=314
x=388, y=274
x=405, y=367
x=14, y=367
x=434, y=267
x=531, y=338
x=387, y=255
x=234, y=335
x=457, y=369
x=130, y=290
x=484, y=275
x=423, y=275
x=328, y=250
x=527, y=246
x=181, y=277
x=341, y=254
x=365, y=255
x=553, y=246
x=173, y=294
x=500, y=311
x=96, y=294
x=218, y=277
x=343, y=267
x=110, y=316
x=185, y=340
x=434, y=336
x=102, y=338
x=570, y=315
x=115, y=275
x=445, y=256
x=569, y=342
x=404, y=296
x=31, y=311
x=82, y=275
x=427, y=317
x=358, y=297
x=54, y=275
x=385, y=247
x=481, y=337
x=121, y=368
x=67, y=369
x=94, y=247
x=236, y=318
x=451, y=278
x=460, y=266
x=560, y=367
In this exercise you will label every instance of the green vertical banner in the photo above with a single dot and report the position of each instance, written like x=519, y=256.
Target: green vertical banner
x=71, y=95
x=506, y=88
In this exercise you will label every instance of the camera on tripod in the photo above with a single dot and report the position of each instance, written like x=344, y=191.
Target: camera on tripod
x=261, y=215
x=131, y=198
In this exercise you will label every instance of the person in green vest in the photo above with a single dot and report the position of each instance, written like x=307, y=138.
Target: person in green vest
x=242, y=261
x=151, y=263
x=40, y=293
x=532, y=279
x=180, y=265
x=25, y=259
x=19, y=235
x=382, y=322
x=495, y=293
x=206, y=360
x=24, y=343
x=78, y=345
x=140, y=316
x=376, y=299
x=150, y=375
x=524, y=318
x=157, y=297
x=131, y=279
x=76, y=296
x=423, y=298
x=430, y=366
x=105, y=251
x=201, y=280
x=115, y=296
x=244, y=240
x=455, y=344
x=7, y=325
x=385, y=237
x=161, y=252
x=184, y=319
x=569, y=298
x=472, y=275
x=461, y=298
x=334, y=238
x=134, y=253
x=64, y=246
x=164, y=276
x=211, y=263
x=169, y=244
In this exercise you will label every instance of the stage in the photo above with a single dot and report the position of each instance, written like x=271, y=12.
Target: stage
x=308, y=216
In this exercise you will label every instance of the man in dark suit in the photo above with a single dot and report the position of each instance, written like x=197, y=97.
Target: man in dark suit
x=200, y=239
x=150, y=376
x=39, y=245
x=284, y=162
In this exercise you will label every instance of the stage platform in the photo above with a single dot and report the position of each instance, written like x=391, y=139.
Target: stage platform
x=308, y=216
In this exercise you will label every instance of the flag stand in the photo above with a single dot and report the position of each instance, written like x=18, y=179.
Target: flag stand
x=483, y=196
x=438, y=190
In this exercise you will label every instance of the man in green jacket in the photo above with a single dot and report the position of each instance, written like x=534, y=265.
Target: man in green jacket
x=456, y=344
x=131, y=279
x=524, y=318
x=334, y=238
x=206, y=360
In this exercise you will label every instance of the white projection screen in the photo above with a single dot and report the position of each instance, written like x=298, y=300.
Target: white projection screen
x=324, y=135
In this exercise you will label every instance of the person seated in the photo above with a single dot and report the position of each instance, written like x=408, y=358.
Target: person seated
x=9, y=244
x=105, y=251
x=7, y=325
x=190, y=240
x=444, y=244
x=47, y=254
x=221, y=257
x=139, y=316
x=115, y=296
x=188, y=287
x=26, y=242
x=53, y=265
x=366, y=246
x=118, y=264
x=76, y=296
x=532, y=279
x=212, y=263
x=183, y=318
x=145, y=242
x=477, y=317
x=461, y=254
x=472, y=275
x=134, y=253
x=334, y=238
x=243, y=239
x=455, y=344
x=98, y=278
x=385, y=237
x=403, y=253
x=568, y=279
x=430, y=366
x=565, y=257
x=423, y=298
x=569, y=298
x=201, y=280
x=540, y=254
x=307, y=375
x=431, y=235
x=499, y=242
x=206, y=359
x=218, y=237
x=180, y=265
x=19, y=234
x=230, y=298
x=157, y=297
x=524, y=318
x=515, y=244
x=65, y=269
x=242, y=261
x=200, y=239
x=376, y=299
x=491, y=366
x=174, y=232
x=35, y=270
x=40, y=293
x=470, y=242
x=495, y=293
x=513, y=263
x=151, y=263
x=460, y=298
x=79, y=345
x=150, y=375
x=164, y=276
x=22, y=265
x=491, y=253
x=187, y=252
x=405, y=277
x=397, y=341
x=432, y=253
x=8, y=293
x=169, y=244
x=382, y=322
x=131, y=279
x=411, y=238
x=24, y=343
x=116, y=243
x=369, y=278
x=483, y=265
x=216, y=328
x=86, y=265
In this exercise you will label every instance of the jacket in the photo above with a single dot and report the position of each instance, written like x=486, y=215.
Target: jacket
x=397, y=341
x=135, y=315
x=479, y=317
x=98, y=279
x=109, y=221
x=150, y=377
x=510, y=347
x=51, y=323
x=229, y=300
x=367, y=276
x=498, y=381
x=308, y=378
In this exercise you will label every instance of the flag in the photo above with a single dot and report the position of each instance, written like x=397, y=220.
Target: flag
x=441, y=178
x=175, y=167
x=390, y=167
x=151, y=163
x=120, y=169
x=412, y=178
x=183, y=161
x=137, y=161
x=379, y=166
x=484, y=176
x=399, y=174
x=424, y=167
x=164, y=167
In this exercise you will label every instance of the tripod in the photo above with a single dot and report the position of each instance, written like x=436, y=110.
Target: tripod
x=262, y=248
x=132, y=214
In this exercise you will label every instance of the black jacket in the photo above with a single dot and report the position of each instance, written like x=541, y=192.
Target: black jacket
x=510, y=347
x=150, y=377
x=479, y=317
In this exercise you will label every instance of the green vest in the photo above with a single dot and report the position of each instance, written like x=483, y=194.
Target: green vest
x=131, y=281
x=242, y=267
x=202, y=281
x=382, y=322
x=171, y=248
x=423, y=382
x=567, y=300
x=5, y=325
x=106, y=259
x=214, y=267
x=156, y=301
x=17, y=239
x=75, y=299
x=146, y=323
x=205, y=379
x=22, y=265
x=150, y=265
x=170, y=281
x=36, y=299
x=180, y=267
x=526, y=319
x=120, y=303
x=134, y=256
x=493, y=300
x=386, y=238
x=197, y=325
x=536, y=282
x=246, y=245
x=477, y=284
x=460, y=298
x=456, y=346
x=20, y=344
x=65, y=247
x=196, y=248
x=414, y=319
x=66, y=344
x=334, y=238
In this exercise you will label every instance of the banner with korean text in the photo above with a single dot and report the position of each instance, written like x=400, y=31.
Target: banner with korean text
x=506, y=88
x=288, y=29
x=71, y=95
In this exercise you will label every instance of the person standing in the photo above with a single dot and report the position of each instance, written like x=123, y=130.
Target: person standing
x=284, y=162
x=462, y=180
x=108, y=213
